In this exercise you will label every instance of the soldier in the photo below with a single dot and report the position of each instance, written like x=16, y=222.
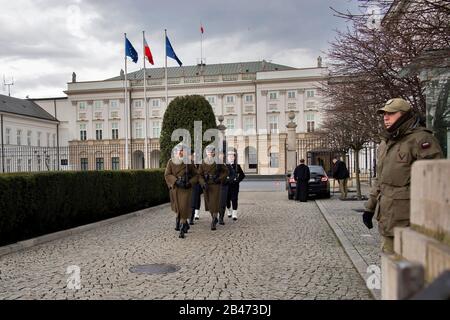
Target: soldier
x=235, y=176
x=404, y=141
x=301, y=176
x=196, y=196
x=180, y=175
x=211, y=175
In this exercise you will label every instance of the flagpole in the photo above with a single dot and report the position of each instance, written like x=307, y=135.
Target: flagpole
x=165, y=42
x=126, y=108
x=146, y=162
x=201, y=44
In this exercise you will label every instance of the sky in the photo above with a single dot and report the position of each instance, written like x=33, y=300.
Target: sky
x=43, y=41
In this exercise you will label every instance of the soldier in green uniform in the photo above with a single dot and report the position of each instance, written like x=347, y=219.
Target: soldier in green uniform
x=403, y=141
x=180, y=175
x=211, y=175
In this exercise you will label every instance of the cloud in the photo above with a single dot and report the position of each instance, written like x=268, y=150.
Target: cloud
x=43, y=41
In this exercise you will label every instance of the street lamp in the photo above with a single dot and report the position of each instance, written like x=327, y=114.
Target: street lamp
x=221, y=127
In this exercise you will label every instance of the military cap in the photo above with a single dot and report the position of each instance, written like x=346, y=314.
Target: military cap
x=395, y=105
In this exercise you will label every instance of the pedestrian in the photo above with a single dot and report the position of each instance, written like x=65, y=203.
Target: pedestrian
x=301, y=176
x=403, y=141
x=231, y=185
x=197, y=191
x=180, y=175
x=340, y=173
x=211, y=176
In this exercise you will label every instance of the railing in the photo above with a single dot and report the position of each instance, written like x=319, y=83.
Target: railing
x=77, y=157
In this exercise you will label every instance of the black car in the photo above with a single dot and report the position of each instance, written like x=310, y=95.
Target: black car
x=319, y=184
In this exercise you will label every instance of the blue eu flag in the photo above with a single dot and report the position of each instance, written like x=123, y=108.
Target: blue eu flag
x=171, y=52
x=129, y=51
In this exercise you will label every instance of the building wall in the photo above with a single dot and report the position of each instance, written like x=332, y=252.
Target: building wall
x=245, y=104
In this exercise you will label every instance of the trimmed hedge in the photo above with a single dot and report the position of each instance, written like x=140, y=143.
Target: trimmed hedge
x=33, y=204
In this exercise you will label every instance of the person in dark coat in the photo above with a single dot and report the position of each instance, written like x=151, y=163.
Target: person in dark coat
x=302, y=176
x=229, y=198
x=341, y=174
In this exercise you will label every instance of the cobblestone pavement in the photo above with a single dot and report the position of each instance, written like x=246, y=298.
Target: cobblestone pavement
x=278, y=249
x=347, y=215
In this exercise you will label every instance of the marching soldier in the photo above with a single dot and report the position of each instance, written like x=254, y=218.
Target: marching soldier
x=180, y=175
x=211, y=175
x=235, y=176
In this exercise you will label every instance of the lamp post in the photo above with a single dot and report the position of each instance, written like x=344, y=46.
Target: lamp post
x=221, y=127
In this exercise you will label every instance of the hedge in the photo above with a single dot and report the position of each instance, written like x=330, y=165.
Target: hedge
x=33, y=204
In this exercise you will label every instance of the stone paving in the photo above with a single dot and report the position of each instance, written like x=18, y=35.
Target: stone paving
x=347, y=219
x=278, y=249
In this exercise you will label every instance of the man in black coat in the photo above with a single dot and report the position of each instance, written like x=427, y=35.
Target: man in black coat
x=341, y=174
x=302, y=176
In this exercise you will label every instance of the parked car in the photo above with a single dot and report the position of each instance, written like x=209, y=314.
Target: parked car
x=319, y=184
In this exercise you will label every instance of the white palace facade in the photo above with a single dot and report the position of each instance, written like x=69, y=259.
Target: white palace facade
x=254, y=98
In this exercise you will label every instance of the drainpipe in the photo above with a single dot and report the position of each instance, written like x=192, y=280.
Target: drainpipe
x=57, y=136
x=256, y=127
x=3, y=148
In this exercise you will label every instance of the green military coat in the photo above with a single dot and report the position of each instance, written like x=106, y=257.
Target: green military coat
x=390, y=196
x=212, y=193
x=180, y=199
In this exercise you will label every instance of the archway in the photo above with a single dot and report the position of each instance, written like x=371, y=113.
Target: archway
x=251, y=160
x=154, y=158
x=138, y=160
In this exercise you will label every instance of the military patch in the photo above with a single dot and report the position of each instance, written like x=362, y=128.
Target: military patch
x=402, y=157
x=425, y=145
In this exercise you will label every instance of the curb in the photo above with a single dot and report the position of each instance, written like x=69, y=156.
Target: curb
x=24, y=244
x=350, y=250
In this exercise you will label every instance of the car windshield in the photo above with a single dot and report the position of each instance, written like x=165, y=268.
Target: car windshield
x=316, y=170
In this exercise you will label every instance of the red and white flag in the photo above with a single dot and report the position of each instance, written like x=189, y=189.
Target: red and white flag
x=147, y=52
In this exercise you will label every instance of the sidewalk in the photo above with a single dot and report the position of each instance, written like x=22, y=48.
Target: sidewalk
x=361, y=244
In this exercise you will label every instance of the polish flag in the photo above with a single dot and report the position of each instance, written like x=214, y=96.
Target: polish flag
x=147, y=52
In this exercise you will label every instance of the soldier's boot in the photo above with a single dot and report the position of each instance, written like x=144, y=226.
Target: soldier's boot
x=197, y=214
x=191, y=220
x=213, y=222
x=186, y=227
x=177, y=224
x=229, y=212
x=221, y=215
x=234, y=215
x=181, y=232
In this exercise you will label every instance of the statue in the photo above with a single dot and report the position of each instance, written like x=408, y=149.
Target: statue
x=319, y=62
x=74, y=77
x=122, y=74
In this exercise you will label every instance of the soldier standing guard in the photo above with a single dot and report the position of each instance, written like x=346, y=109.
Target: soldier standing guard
x=404, y=141
x=302, y=176
x=180, y=175
x=211, y=175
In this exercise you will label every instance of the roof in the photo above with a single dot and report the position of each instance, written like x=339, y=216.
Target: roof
x=206, y=70
x=24, y=108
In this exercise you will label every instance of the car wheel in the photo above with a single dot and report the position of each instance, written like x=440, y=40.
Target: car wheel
x=327, y=195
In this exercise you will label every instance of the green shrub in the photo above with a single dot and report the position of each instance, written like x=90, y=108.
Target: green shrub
x=32, y=204
x=181, y=113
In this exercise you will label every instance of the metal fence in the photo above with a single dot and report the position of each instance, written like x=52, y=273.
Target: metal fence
x=77, y=157
x=320, y=151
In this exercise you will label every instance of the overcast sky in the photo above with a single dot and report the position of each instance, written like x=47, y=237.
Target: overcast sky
x=43, y=41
